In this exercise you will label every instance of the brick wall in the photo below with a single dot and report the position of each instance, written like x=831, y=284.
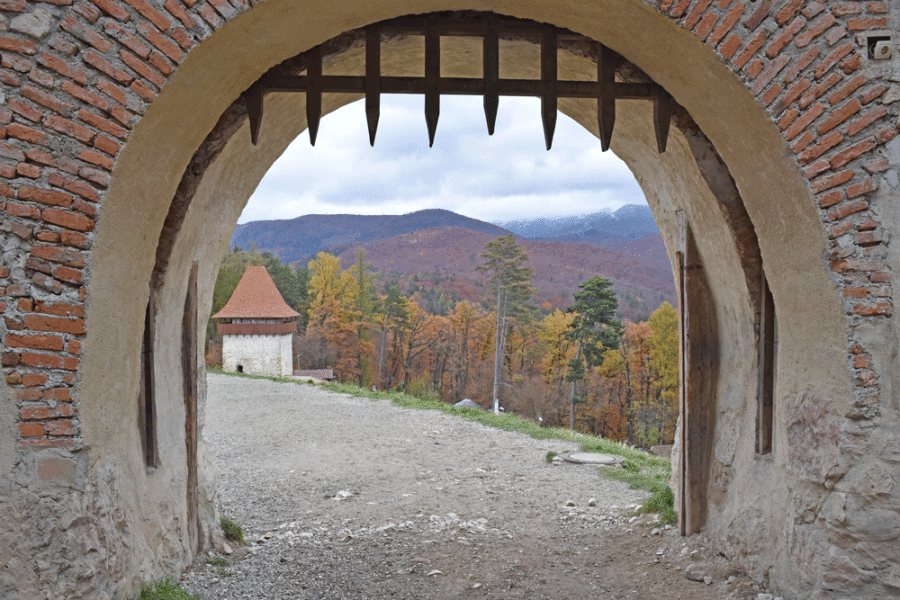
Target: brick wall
x=78, y=74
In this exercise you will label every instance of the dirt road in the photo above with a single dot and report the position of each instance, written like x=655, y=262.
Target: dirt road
x=349, y=498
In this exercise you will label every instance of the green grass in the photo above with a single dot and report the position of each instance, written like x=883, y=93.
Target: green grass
x=165, y=589
x=550, y=456
x=233, y=532
x=219, y=563
x=641, y=470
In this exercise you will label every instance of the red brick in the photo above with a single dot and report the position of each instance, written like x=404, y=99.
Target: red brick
x=873, y=94
x=816, y=92
x=49, y=361
x=886, y=134
x=101, y=123
x=755, y=43
x=785, y=37
x=815, y=30
x=63, y=68
x=96, y=158
x=696, y=13
x=788, y=11
x=25, y=110
x=49, y=197
x=848, y=154
x=73, y=347
x=771, y=71
x=11, y=152
x=20, y=45
x=20, y=210
x=799, y=65
x=108, y=145
x=69, y=128
x=852, y=64
x=159, y=62
x=13, y=5
x=150, y=13
x=817, y=168
x=810, y=115
x=835, y=34
x=46, y=100
x=41, y=157
x=862, y=362
x=113, y=91
x=97, y=176
x=34, y=342
x=76, y=187
x=727, y=23
x=85, y=34
x=210, y=16
x=880, y=309
x=85, y=208
x=70, y=258
x=73, y=238
x=14, y=378
x=822, y=146
x=759, y=15
x=15, y=62
x=106, y=67
x=58, y=394
x=51, y=237
x=845, y=90
x=44, y=281
x=84, y=9
x=830, y=198
x=839, y=115
x=31, y=430
x=113, y=9
x=772, y=93
x=866, y=119
x=10, y=359
x=833, y=58
x=730, y=46
x=177, y=11
x=28, y=170
x=41, y=413
x=132, y=43
x=827, y=182
x=68, y=275
x=843, y=9
x=122, y=116
x=143, y=69
x=867, y=23
x=139, y=88
x=876, y=166
x=41, y=443
x=67, y=219
x=839, y=212
x=706, y=25
x=859, y=189
x=60, y=427
x=161, y=42
x=182, y=37
x=84, y=95
x=227, y=11
x=755, y=68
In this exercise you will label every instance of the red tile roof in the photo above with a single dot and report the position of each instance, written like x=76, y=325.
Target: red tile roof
x=256, y=297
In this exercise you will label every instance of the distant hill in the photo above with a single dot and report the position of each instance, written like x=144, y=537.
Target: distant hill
x=631, y=222
x=302, y=238
x=447, y=246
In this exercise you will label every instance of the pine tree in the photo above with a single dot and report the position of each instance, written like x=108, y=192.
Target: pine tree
x=595, y=328
x=511, y=285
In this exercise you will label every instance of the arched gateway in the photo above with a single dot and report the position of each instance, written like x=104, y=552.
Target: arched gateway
x=126, y=159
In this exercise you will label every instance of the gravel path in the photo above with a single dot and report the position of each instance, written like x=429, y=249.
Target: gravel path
x=349, y=498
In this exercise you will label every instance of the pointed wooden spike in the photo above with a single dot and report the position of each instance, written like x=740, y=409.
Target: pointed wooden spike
x=548, y=120
x=491, y=59
x=432, y=112
x=314, y=92
x=606, y=101
x=255, y=112
x=548, y=83
x=432, y=78
x=663, y=106
x=373, y=80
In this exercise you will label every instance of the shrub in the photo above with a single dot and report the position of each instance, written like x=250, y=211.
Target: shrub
x=233, y=532
x=165, y=589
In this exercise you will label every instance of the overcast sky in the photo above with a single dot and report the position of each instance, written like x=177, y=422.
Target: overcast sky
x=495, y=178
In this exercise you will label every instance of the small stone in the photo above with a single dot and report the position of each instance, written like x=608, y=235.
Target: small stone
x=695, y=572
x=434, y=572
x=36, y=23
x=684, y=552
x=475, y=586
x=765, y=597
x=226, y=549
x=592, y=502
x=656, y=531
x=570, y=503
x=708, y=580
x=892, y=95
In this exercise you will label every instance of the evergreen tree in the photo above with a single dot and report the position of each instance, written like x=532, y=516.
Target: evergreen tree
x=595, y=328
x=511, y=285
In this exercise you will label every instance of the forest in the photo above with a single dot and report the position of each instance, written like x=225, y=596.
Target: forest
x=582, y=368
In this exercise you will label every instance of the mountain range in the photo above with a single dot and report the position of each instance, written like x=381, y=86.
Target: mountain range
x=624, y=246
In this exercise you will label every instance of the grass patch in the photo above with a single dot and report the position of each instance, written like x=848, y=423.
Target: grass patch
x=233, y=532
x=165, y=589
x=640, y=469
x=550, y=456
x=219, y=563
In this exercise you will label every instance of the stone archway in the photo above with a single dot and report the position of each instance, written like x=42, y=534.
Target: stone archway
x=803, y=154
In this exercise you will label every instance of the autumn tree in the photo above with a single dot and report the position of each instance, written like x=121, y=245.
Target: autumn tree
x=510, y=283
x=594, y=329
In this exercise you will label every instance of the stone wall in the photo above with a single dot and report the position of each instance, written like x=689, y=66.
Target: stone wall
x=269, y=355
x=107, y=113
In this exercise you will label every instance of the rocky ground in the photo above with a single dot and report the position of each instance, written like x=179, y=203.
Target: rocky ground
x=349, y=498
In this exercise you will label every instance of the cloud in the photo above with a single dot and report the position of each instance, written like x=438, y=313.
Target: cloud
x=505, y=176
